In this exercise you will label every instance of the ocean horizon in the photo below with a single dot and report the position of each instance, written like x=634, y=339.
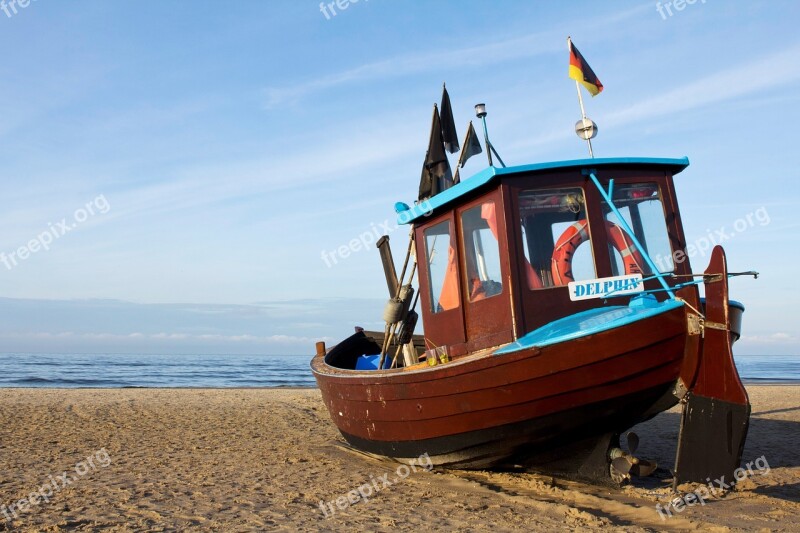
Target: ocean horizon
x=21, y=370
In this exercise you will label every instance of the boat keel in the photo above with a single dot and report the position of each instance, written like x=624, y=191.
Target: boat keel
x=711, y=439
x=716, y=411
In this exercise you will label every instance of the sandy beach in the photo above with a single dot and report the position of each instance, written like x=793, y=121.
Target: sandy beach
x=269, y=459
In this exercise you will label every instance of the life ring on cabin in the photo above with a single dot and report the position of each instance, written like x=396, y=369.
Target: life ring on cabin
x=578, y=233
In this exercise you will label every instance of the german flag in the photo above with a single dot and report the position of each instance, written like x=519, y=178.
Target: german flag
x=580, y=71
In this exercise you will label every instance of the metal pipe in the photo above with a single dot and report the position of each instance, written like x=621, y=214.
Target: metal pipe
x=486, y=141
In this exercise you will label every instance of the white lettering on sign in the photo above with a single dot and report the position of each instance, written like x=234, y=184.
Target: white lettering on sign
x=605, y=287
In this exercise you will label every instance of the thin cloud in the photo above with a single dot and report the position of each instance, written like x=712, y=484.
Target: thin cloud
x=779, y=337
x=470, y=57
x=204, y=186
x=474, y=56
x=770, y=71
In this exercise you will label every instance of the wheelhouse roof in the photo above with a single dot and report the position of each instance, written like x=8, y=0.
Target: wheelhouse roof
x=491, y=174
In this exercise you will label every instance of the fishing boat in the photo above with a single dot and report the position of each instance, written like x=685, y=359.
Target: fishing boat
x=560, y=309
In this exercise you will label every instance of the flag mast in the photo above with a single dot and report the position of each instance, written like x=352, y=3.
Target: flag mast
x=457, y=177
x=585, y=128
x=583, y=117
x=472, y=146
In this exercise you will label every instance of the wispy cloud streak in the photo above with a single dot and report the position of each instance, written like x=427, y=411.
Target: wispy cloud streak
x=469, y=57
x=763, y=74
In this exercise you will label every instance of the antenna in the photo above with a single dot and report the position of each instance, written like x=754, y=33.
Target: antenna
x=480, y=112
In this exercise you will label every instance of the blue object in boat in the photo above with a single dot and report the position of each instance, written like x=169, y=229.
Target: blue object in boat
x=370, y=362
x=644, y=301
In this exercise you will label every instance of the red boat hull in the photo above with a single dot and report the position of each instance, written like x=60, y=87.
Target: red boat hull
x=486, y=409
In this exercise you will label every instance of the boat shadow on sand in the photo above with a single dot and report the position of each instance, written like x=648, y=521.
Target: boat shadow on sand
x=768, y=439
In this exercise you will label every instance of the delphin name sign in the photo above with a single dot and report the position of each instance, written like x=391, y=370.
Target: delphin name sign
x=605, y=287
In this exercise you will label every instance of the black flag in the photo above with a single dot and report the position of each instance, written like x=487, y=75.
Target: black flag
x=472, y=146
x=436, y=173
x=448, y=124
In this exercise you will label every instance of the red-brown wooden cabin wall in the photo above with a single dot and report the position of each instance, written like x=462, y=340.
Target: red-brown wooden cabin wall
x=518, y=309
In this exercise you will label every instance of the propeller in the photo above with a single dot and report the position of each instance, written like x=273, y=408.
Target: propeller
x=618, y=471
x=633, y=442
x=625, y=464
x=644, y=468
x=622, y=465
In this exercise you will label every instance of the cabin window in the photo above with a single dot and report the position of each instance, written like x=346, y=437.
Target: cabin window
x=554, y=230
x=642, y=208
x=442, y=268
x=482, y=252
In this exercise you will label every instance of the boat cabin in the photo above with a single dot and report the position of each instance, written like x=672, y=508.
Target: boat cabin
x=497, y=251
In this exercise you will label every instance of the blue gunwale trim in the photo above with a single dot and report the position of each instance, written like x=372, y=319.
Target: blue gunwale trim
x=734, y=303
x=731, y=303
x=488, y=175
x=587, y=323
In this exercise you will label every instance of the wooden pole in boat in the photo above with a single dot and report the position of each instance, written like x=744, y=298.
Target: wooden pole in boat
x=387, y=341
x=400, y=347
x=389, y=332
x=411, y=341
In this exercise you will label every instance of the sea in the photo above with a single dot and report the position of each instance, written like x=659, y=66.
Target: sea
x=229, y=371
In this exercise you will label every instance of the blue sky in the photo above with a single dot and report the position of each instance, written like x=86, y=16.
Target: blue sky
x=207, y=153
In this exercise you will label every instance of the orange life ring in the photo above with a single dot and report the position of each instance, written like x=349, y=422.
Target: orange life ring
x=577, y=234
